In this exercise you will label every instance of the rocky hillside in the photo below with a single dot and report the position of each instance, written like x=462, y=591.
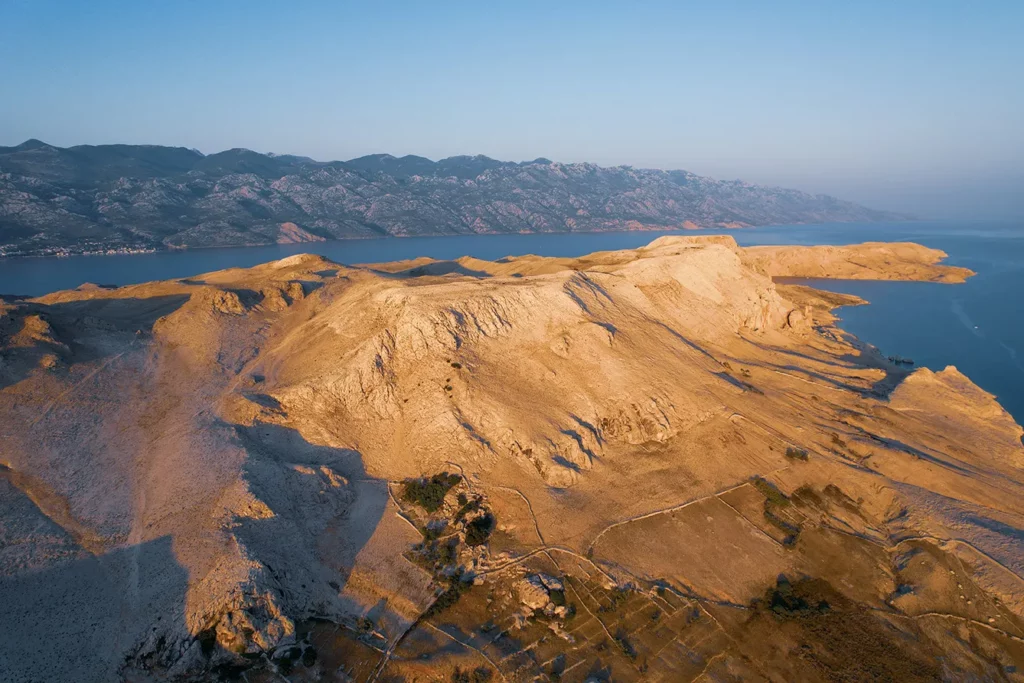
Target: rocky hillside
x=643, y=465
x=139, y=198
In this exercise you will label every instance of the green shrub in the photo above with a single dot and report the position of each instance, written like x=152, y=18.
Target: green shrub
x=772, y=494
x=456, y=587
x=429, y=493
x=796, y=453
x=467, y=505
x=479, y=530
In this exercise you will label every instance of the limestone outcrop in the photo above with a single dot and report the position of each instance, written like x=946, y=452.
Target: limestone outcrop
x=199, y=474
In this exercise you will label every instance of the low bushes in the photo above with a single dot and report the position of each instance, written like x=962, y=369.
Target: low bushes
x=429, y=493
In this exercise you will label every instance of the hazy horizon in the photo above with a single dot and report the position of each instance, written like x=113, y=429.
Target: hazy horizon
x=914, y=108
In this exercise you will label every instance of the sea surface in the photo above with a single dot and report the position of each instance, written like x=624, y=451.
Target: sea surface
x=977, y=326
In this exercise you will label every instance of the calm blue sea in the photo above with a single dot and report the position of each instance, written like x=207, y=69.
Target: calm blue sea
x=977, y=326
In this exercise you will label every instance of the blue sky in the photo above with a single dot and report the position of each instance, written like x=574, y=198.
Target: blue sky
x=909, y=105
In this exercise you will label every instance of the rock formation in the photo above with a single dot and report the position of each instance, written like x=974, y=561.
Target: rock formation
x=868, y=261
x=654, y=463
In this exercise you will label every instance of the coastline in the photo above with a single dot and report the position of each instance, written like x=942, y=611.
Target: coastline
x=654, y=228
x=617, y=416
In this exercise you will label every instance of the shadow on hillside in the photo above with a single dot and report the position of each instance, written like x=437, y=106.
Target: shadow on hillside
x=79, y=620
x=771, y=348
x=435, y=269
x=85, y=618
x=82, y=331
x=868, y=357
x=894, y=374
x=325, y=509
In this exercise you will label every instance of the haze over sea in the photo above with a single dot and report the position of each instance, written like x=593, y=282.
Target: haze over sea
x=977, y=326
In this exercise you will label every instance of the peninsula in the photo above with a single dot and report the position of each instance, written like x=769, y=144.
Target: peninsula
x=653, y=464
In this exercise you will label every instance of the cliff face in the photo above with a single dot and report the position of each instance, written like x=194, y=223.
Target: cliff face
x=659, y=463
x=123, y=197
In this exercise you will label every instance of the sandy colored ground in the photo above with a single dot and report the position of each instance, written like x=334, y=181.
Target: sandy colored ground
x=204, y=477
x=868, y=261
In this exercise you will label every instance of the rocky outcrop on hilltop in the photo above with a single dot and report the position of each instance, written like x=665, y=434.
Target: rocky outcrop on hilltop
x=129, y=198
x=652, y=463
x=868, y=261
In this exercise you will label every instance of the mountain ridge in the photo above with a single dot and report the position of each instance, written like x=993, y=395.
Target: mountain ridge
x=655, y=463
x=124, y=198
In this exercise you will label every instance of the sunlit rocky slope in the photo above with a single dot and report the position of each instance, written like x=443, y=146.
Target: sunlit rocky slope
x=93, y=198
x=652, y=464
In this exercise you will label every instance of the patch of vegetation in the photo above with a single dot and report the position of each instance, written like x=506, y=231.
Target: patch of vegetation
x=806, y=495
x=842, y=640
x=774, y=499
x=429, y=493
x=433, y=531
x=451, y=595
x=796, y=453
x=787, y=603
x=771, y=493
x=479, y=529
x=618, y=596
x=433, y=555
x=557, y=597
x=481, y=674
x=622, y=638
x=457, y=366
x=467, y=505
x=791, y=530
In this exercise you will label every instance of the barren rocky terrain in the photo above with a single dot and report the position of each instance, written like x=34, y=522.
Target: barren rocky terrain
x=654, y=464
x=126, y=198
x=868, y=261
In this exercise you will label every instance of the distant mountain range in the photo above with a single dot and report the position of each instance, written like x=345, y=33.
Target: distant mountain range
x=126, y=198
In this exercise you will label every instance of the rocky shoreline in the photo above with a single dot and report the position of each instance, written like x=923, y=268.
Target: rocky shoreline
x=642, y=463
